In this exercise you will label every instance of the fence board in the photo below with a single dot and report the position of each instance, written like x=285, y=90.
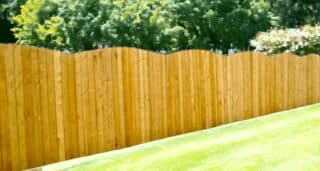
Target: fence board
x=60, y=105
x=56, y=106
x=5, y=146
x=51, y=115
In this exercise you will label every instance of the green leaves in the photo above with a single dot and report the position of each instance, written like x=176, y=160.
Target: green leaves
x=222, y=24
x=294, y=13
x=158, y=25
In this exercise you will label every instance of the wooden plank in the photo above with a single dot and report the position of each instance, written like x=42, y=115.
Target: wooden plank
x=146, y=95
x=63, y=96
x=156, y=96
x=291, y=80
x=43, y=74
x=79, y=104
x=170, y=103
x=236, y=88
x=131, y=108
x=313, y=79
x=271, y=85
x=118, y=97
x=92, y=116
x=85, y=100
x=192, y=99
x=28, y=105
x=108, y=115
x=164, y=86
x=200, y=91
x=185, y=91
x=310, y=79
x=2, y=99
x=37, y=116
x=196, y=91
x=11, y=112
x=59, y=104
x=301, y=81
x=4, y=125
x=255, y=84
x=53, y=153
x=207, y=89
x=72, y=106
x=279, y=86
x=100, y=98
x=247, y=85
x=263, y=86
x=317, y=78
x=18, y=74
x=214, y=90
x=221, y=82
x=182, y=113
x=137, y=93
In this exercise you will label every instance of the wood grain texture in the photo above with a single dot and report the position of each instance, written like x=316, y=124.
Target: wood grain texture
x=56, y=106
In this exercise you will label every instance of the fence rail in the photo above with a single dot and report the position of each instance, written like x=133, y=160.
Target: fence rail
x=56, y=106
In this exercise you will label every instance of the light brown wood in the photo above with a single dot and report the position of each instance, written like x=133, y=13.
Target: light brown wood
x=61, y=105
x=56, y=106
x=52, y=111
x=4, y=130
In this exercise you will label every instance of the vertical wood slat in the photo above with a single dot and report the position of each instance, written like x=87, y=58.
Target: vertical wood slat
x=118, y=98
x=100, y=86
x=11, y=112
x=36, y=109
x=59, y=104
x=51, y=115
x=43, y=75
x=28, y=105
x=72, y=107
x=18, y=74
x=92, y=116
x=4, y=131
x=109, y=131
x=56, y=106
x=79, y=104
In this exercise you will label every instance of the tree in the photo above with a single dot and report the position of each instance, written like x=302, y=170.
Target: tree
x=64, y=25
x=222, y=24
x=159, y=25
x=143, y=24
x=91, y=24
x=294, y=13
x=8, y=8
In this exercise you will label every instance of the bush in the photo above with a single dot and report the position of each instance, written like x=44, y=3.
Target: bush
x=300, y=41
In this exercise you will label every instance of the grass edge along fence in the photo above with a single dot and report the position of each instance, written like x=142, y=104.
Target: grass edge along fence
x=56, y=106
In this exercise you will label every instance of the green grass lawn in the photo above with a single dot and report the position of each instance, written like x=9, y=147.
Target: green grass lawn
x=284, y=141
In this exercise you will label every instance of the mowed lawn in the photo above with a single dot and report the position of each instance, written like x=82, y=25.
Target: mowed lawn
x=284, y=141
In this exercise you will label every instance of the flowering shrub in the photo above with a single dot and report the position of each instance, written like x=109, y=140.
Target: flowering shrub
x=301, y=41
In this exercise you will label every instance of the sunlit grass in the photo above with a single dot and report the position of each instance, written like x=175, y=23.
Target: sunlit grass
x=287, y=140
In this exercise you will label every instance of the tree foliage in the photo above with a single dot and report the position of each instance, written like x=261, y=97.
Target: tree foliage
x=294, y=13
x=8, y=8
x=161, y=25
x=222, y=24
x=87, y=24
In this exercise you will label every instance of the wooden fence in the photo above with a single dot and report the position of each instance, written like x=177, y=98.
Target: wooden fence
x=56, y=106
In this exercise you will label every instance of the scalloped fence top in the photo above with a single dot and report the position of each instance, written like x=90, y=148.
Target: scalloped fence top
x=137, y=50
x=56, y=106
